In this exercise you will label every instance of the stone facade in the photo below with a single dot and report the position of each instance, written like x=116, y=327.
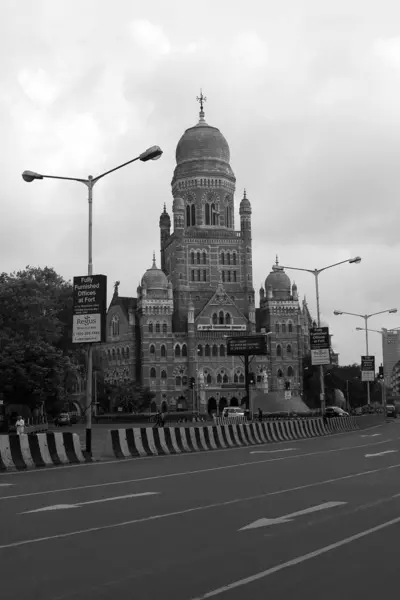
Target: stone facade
x=175, y=330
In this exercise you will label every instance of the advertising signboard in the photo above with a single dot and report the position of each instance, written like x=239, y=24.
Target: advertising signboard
x=251, y=345
x=320, y=346
x=89, y=309
x=367, y=368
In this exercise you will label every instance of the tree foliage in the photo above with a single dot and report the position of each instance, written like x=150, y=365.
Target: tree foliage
x=128, y=395
x=36, y=353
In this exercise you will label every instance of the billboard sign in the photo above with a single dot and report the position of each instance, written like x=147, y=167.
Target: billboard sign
x=367, y=368
x=320, y=346
x=251, y=345
x=89, y=309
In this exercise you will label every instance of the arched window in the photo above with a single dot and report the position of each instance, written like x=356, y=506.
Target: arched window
x=193, y=215
x=207, y=213
x=109, y=354
x=280, y=374
x=241, y=378
x=191, y=275
x=204, y=258
x=115, y=325
x=209, y=379
x=199, y=350
x=204, y=275
x=157, y=327
x=278, y=350
x=177, y=350
x=215, y=318
x=192, y=258
x=276, y=327
x=163, y=351
x=118, y=354
x=219, y=378
x=288, y=349
x=207, y=350
x=234, y=258
x=222, y=350
x=164, y=328
x=290, y=327
x=221, y=317
x=152, y=350
x=198, y=258
x=215, y=350
x=225, y=379
x=188, y=215
x=290, y=372
x=123, y=352
x=228, y=259
x=153, y=373
x=283, y=327
x=236, y=378
x=222, y=258
x=127, y=353
x=150, y=327
x=178, y=381
x=163, y=374
x=234, y=276
x=184, y=350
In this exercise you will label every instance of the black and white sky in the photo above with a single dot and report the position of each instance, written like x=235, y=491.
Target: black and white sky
x=306, y=92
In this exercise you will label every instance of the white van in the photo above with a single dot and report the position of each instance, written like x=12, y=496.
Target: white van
x=233, y=412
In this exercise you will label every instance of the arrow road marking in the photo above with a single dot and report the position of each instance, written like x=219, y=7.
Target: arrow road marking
x=272, y=451
x=371, y=435
x=67, y=506
x=380, y=453
x=287, y=518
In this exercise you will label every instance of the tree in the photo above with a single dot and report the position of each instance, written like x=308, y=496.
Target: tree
x=36, y=352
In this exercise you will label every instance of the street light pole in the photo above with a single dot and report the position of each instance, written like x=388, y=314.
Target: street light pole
x=366, y=317
x=152, y=153
x=316, y=273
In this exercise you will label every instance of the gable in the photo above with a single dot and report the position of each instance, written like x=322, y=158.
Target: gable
x=221, y=313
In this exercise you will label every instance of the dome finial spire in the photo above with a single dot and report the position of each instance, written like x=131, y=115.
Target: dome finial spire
x=244, y=194
x=165, y=208
x=276, y=260
x=154, y=259
x=201, y=99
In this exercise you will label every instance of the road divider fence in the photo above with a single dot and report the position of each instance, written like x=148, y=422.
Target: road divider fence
x=142, y=441
x=21, y=452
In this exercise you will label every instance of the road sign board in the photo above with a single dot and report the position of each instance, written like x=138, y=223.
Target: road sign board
x=367, y=368
x=288, y=394
x=320, y=346
x=89, y=309
x=251, y=345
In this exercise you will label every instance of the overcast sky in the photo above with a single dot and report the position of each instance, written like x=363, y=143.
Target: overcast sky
x=306, y=92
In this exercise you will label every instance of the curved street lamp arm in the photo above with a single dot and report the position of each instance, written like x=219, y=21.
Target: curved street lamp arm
x=95, y=179
x=377, y=313
x=352, y=314
x=334, y=265
x=85, y=181
x=298, y=269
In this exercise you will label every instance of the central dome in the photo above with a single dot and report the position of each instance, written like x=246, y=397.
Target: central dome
x=154, y=278
x=202, y=142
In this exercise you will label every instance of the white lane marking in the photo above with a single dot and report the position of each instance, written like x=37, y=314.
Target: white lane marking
x=381, y=453
x=272, y=451
x=296, y=561
x=185, y=473
x=287, y=518
x=6, y=484
x=193, y=509
x=66, y=506
x=369, y=435
x=100, y=463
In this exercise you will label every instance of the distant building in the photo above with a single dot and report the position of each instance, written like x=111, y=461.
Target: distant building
x=175, y=330
x=390, y=353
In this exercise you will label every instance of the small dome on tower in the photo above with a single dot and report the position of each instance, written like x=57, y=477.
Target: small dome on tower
x=164, y=217
x=245, y=206
x=279, y=282
x=154, y=278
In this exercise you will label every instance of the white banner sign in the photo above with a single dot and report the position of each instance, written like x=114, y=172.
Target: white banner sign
x=320, y=357
x=221, y=327
x=86, y=328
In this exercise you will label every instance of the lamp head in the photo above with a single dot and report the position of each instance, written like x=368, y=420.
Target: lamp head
x=337, y=312
x=393, y=310
x=359, y=329
x=152, y=153
x=356, y=260
x=29, y=176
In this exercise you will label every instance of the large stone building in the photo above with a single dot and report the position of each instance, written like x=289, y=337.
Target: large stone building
x=176, y=330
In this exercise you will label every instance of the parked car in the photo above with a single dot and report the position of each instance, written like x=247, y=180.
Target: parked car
x=63, y=419
x=233, y=412
x=335, y=411
x=391, y=411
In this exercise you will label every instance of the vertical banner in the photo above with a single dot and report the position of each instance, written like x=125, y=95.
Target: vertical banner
x=320, y=346
x=367, y=368
x=89, y=309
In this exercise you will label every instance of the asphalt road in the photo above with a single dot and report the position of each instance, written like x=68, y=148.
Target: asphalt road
x=171, y=527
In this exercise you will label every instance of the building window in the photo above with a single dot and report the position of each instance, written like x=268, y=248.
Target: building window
x=229, y=274
x=192, y=258
x=187, y=215
x=164, y=328
x=283, y=327
x=215, y=319
x=204, y=258
x=184, y=380
x=290, y=327
x=163, y=374
x=225, y=379
x=193, y=215
x=228, y=259
x=115, y=326
x=241, y=378
x=207, y=350
x=234, y=258
x=276, y=327
x=178, y=381
x=219, y=378
x=227, y=319
x=207, y=213
x=184, y=350
x=223, y=275
x=215, y=350
x=153, y=373
x=123, y=352
x=289, y=349
x=234, y=276
x=222, y=350
x=290, y=372
x=192, y=275
x=152, y=350
x=150, y=327
x=163, y=351
x=279, y=374
x=209, y=379
x=221, y=317
x=177, y=350
x=198, y=258
x=204, y=275
x=199, y=350
x=127, y=353
x=222, y=258
x=278, y=350
x=157, y=327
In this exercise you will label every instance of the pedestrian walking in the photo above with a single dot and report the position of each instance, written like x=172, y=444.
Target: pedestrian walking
x=20, y=425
